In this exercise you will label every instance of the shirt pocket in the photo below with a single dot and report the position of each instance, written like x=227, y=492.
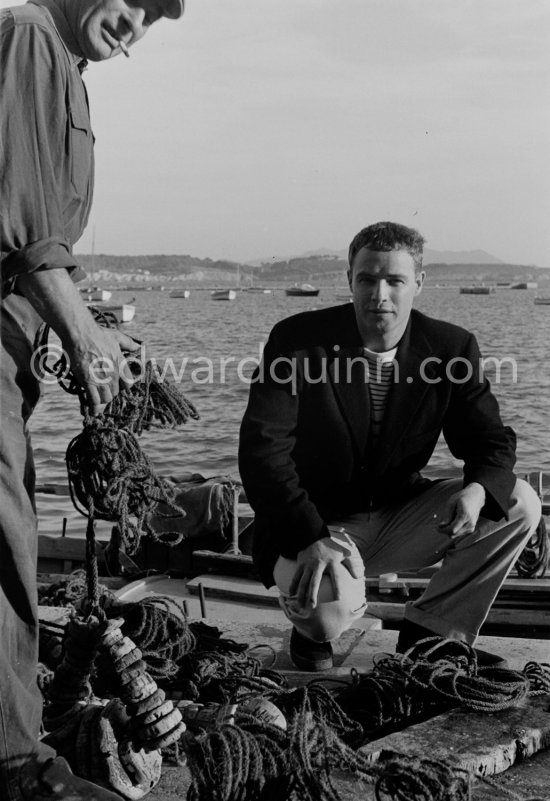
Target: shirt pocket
x=81, y=144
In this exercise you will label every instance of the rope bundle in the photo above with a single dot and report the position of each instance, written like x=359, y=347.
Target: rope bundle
x=321, y=705
x=150, y=404
x=159, y=628
x=229, y=765
x=443, y=670
x=235, y=763
x=388, y=698
x=110, y=478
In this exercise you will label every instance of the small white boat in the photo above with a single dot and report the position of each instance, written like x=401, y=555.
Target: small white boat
x=259, y=290
x=344, y=298
x=94, y=293
x=302, y=291
x=223, y=294
x=180, y=293
x=116, y=313
x=542, y=301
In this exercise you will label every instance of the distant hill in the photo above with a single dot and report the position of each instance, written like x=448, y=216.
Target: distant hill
x=430, y=256
x=328, y=269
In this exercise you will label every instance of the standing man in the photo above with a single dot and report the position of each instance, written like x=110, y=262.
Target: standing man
x=344, y=412
x=46, y=180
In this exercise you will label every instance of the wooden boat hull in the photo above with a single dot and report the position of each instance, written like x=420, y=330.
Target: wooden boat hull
x=120, y=313
x=301, y=292
x=223, y=294
x=92, y=295
x=477, y=290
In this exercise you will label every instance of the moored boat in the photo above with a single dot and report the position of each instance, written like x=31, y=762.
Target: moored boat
x=223, y=294
x=477, y=290
x=95, y=293
x=301, y=290
x=180, y=293
x=118, y=313
x=542, y=301
x=524, y=285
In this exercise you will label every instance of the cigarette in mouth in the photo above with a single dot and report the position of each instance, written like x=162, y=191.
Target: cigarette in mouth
x=124, y=48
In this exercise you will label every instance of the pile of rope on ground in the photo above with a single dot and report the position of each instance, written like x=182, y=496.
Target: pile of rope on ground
x=442, y=674
x=67, y=591
x=249, y=736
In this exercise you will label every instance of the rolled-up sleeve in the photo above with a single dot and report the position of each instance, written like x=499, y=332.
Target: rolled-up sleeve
x=41, y=210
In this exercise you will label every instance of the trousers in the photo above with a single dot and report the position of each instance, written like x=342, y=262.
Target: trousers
x=20, y=698
x=405, y=536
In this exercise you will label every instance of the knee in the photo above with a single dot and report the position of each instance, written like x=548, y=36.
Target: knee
x=525, y=505
x=332, y=616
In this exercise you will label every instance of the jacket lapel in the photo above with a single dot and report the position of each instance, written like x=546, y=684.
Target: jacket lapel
x=347, y=375
x=406, y=393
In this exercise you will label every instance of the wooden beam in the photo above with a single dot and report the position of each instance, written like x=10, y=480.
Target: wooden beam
x=479, y=742
x=66, y=548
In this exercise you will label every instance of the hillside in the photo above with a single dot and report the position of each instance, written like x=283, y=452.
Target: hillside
x=430, y=257
x=325, y=270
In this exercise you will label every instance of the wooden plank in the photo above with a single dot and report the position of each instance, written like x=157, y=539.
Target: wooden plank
x=498, y=616
x=482, y=743
x=66, y=548
x=226, y=563
x=403, y=582
x=391, y=613
x=112, y=582
x=236, y=588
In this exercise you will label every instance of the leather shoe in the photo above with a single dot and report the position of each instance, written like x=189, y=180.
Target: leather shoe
x=54, y=781
x=411, y=633
x=309, y=655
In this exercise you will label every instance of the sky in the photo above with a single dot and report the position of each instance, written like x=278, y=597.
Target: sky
x=266, y=128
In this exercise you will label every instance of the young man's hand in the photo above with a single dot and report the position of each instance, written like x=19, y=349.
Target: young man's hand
x=463, y=510
x=318, y=558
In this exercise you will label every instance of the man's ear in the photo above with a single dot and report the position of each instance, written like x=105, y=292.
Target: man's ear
x=349, y=278
x=419, y=278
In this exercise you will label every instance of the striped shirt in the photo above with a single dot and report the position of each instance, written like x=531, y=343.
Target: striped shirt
x=380, y=380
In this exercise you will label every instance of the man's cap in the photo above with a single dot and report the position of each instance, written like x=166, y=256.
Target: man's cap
x=173, y=9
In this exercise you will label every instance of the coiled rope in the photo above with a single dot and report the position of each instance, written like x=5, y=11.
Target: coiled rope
x=272, y=765
x=110, y=477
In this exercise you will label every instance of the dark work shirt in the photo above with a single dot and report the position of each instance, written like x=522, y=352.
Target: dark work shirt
x=46, y=143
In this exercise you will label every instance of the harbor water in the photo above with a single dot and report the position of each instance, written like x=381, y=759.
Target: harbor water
x=211, y=348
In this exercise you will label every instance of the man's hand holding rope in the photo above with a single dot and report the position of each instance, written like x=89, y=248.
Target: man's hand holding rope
x=95, y=354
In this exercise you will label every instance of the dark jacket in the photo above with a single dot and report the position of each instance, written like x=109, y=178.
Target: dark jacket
x=304, y=454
